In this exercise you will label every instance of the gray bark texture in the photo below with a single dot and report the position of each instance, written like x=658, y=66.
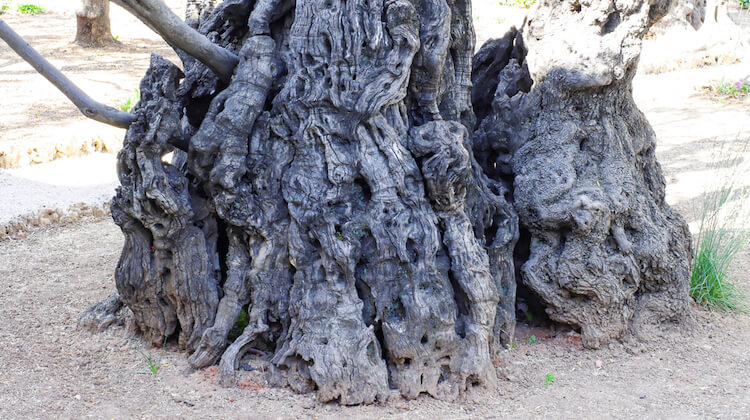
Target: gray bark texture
x=603, y=250
x=351, y=192
x=686, y=13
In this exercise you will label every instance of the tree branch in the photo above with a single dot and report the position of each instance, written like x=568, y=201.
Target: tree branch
x=156, y=15
x=82, y=101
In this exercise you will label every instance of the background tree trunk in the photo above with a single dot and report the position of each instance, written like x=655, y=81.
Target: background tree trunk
x=93, y=24
x=336, y=190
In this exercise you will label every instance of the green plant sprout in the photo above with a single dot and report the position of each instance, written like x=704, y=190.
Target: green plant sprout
x=548, y=380
x=512, y=344
x=152, y=362
x=532, y=339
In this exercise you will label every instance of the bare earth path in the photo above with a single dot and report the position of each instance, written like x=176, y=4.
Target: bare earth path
x=49, y=369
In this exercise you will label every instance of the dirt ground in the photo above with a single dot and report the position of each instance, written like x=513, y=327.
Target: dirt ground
x=52, y=370
x=49, y=369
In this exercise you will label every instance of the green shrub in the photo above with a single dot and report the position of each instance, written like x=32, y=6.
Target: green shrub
x=30, y=9
x=722, y=234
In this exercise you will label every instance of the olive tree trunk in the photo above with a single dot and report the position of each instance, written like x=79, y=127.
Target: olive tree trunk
x=600, y=247
x=93, y=24
x=352, y=192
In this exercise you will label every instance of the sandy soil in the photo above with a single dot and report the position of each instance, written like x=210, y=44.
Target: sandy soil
x=52, y=370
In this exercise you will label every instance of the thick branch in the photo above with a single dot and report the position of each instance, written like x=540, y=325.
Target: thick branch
x=85, y=104
x=156, y=15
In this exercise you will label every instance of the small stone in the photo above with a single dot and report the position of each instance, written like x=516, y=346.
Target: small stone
x=598, y=364
x=78, y=396
x=246, y=366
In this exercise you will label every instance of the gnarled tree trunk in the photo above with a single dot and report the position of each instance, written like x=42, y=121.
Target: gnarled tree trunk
x=601, y=248
x=330, y=191
x=93, y=24
x=360, y=201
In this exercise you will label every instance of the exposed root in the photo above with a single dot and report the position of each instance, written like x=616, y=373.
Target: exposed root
x=100, y=316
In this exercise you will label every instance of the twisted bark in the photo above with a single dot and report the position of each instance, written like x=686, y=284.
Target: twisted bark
x=606, y=253
x=368, y=250
x=350, y=191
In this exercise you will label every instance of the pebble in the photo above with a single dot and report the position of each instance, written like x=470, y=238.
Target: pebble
x=598, y=364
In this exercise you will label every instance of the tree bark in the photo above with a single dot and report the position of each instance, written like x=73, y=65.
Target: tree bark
x=603, y=250
x=351, y=192
x=93, y=24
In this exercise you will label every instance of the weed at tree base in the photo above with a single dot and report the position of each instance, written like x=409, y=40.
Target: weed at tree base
x=153, y=363
x=710, y=285
x=512, y=344
x=129, y=104
x=722, y=234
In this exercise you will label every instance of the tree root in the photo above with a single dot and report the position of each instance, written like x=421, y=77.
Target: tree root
x=102, y=315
